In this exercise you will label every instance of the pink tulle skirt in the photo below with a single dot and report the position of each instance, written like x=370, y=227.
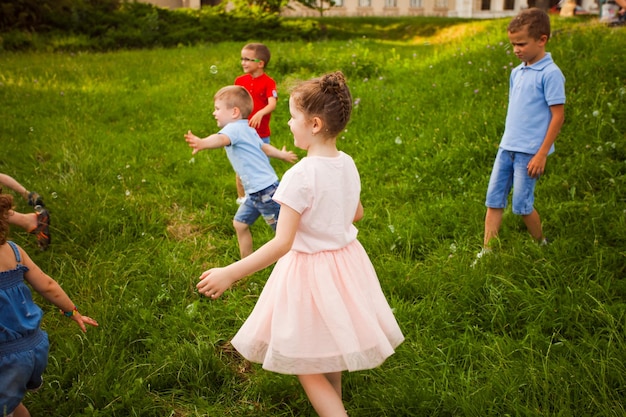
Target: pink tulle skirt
x=320, y=313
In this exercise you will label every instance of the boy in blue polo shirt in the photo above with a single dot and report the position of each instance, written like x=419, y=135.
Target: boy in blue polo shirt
x=534, y=118
x=247, y=154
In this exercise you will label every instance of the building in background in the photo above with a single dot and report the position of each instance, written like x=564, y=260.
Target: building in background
x=178, y=4
x=444, y=8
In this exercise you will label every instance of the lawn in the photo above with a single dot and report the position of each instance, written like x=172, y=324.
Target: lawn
x=529, y=331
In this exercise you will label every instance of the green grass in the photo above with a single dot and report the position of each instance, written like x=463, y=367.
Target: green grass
x=531, y=331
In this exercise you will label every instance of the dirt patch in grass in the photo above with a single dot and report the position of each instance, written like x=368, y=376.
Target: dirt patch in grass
x=181, y=224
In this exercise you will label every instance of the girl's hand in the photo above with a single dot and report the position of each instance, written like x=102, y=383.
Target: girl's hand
x=82, y=320
x=214, y=282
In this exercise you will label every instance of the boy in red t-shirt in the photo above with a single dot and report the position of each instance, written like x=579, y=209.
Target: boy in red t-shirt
x=262, y=88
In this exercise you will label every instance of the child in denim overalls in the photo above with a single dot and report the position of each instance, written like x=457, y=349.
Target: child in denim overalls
x=23, y=345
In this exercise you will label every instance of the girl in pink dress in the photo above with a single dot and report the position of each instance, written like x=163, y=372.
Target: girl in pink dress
x=322, y=310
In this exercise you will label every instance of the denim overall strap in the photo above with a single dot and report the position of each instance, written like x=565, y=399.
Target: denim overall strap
x=16, y=251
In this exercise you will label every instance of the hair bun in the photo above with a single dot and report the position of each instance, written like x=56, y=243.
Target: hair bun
x=332, y=82
x=327, y=97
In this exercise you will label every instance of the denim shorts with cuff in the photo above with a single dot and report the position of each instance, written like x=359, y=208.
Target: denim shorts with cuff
x=259, y=204
x=510, y=170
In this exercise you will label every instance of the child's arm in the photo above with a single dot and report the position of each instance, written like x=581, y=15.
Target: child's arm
x=13, y=184
x=214, y=141
x=255, y=121
x=217, y=280
x=359, y=213
x=537, y=164
x=284, y=154
x=52, y=291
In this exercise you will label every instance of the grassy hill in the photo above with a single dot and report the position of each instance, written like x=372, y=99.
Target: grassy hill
x=529, y=331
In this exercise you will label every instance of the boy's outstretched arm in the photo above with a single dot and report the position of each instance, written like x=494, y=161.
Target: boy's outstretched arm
x=537, y=164
x=214, y=141
x=284, y=154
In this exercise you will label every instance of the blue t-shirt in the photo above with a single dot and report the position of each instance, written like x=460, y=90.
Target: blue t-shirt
x=247, y=158
x=532, y=90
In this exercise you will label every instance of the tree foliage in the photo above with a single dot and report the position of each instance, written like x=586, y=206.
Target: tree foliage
x=320, y=5
x=116, y=24
x=260, y=6
x=42, y=15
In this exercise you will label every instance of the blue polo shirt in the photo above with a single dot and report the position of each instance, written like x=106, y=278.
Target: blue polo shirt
x=532, y=90
x=247, y=158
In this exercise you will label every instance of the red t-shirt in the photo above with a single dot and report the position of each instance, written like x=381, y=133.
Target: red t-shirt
x=260, y=89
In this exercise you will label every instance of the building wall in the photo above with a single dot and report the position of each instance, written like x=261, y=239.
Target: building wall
x=445, y=8
x=357, y=7
x=174, y=4
x=378, y=8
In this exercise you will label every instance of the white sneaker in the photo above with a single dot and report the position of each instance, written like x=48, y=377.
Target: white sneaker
x=483, y=252
x=241, y=200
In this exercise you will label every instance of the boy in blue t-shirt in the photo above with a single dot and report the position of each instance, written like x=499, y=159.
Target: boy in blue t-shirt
x=247, y=154
x=534, y=118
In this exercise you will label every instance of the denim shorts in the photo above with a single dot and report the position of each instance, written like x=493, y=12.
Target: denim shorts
x=21, y=368
x=510, y=170
x=259, y=204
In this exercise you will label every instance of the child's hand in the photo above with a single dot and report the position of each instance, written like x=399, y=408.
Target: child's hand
x=193, y=141
x=214, y=282
x=82, y=320
x=537, y=166
x=255, y=121
x=289, y=156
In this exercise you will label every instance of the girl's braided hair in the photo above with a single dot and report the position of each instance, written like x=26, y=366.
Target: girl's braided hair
x=6, y=204
x=327, y=97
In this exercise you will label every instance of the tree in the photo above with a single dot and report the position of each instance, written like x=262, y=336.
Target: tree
x=38, y=15
x=260, y=6
x=318, y=5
